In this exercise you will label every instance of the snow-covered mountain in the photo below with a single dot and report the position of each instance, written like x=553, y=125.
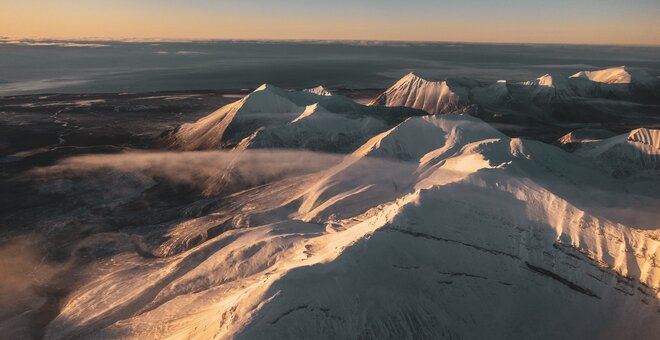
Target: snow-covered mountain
x=584, y=136
x=626, y=154
x=439, y=227
x=274, y=117
x=585, y=96
x=432, y=97
x=617, y=75
x=545, y=80
x=320, y=90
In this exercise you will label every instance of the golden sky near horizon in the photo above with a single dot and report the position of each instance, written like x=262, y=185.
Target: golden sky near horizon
x=199, y=19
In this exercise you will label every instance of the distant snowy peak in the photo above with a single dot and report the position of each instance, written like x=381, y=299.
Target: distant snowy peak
x=548, y=89
x=411, y=77
x=584, y=135
x=645, y=136
x=305, y=97
x=581, y=81
x=268, y=98
x=646, y=141
x=432, y=97
x=267, y=104
x=319, y=90
x=616, y=75
x=628, y=154
x=536, y=99
x=545, y=80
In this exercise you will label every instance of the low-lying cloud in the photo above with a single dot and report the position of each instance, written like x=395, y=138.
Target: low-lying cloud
x=199, y=168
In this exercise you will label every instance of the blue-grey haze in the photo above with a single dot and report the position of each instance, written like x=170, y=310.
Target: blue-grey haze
x=146, y=66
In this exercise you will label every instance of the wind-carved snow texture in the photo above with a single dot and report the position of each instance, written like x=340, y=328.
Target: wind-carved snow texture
x=437, y=227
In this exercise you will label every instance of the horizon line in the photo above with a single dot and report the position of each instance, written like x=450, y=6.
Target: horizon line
x=4, y=38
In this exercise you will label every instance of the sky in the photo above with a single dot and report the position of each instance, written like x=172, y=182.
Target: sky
x=635, y=22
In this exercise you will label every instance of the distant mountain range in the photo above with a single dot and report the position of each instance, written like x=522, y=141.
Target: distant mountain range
x=544, y=99
x=316, y=119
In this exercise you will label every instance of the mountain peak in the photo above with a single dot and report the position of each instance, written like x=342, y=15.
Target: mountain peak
x=430, y=96
x=262, y=87
x=266, y=87
x=545, y=80
x=410, y=77
x=319, y=90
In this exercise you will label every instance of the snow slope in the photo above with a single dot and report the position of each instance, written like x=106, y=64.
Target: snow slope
x=316, y=129
x=440, y=227
x=265, y=103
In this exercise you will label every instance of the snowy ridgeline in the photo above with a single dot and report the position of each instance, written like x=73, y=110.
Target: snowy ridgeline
x=316, y=119
x=461, y=94
x=437, y=227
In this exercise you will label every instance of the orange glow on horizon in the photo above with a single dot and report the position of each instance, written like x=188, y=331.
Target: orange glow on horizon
x=90, y=21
